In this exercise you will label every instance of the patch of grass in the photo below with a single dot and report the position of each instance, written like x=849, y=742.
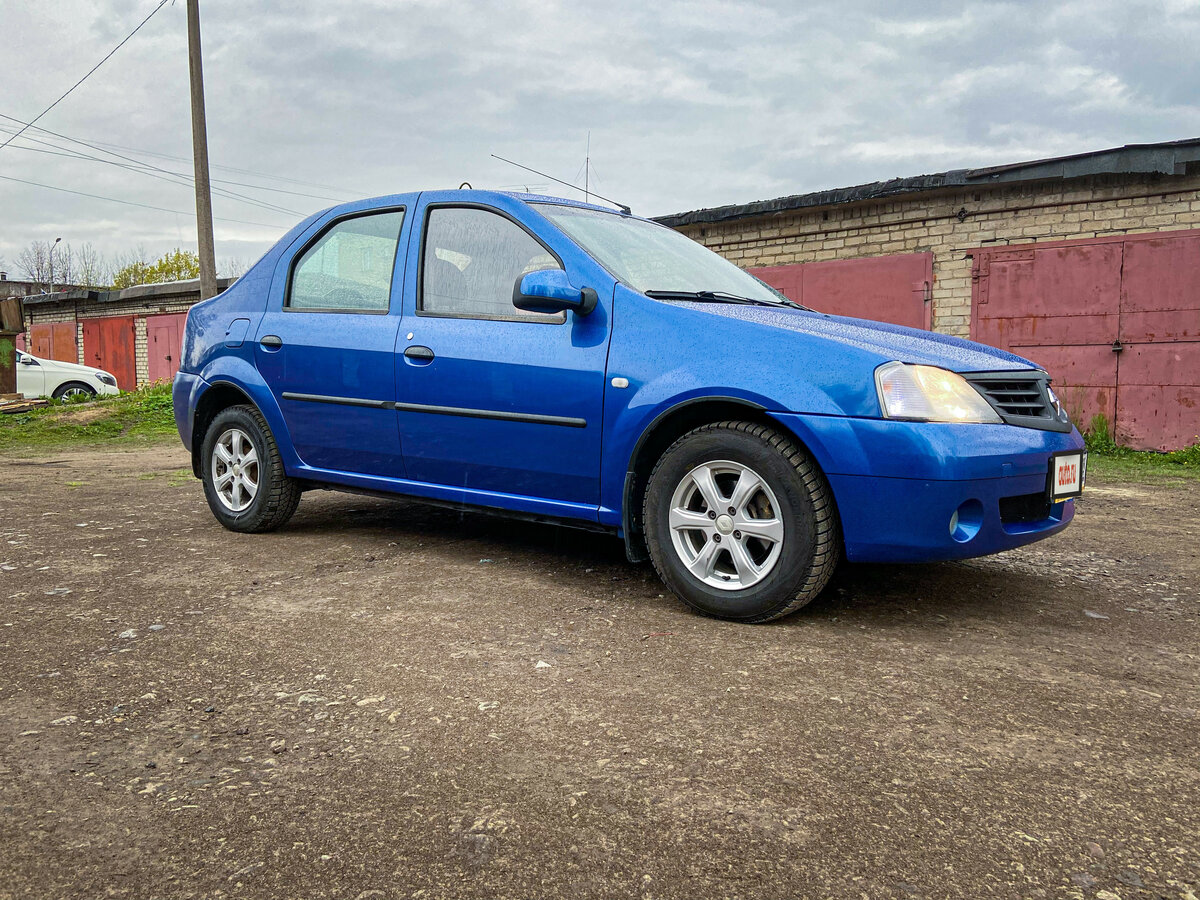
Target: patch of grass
x=136, y=417
x=1108, y=458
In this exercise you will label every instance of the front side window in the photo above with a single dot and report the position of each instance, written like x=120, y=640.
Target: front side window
x=349, y=269
x=472, y=259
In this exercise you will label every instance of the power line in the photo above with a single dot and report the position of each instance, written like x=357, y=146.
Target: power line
x=316, y=184
x=143, y=168
x=100, y=146
x=177, y=212
x=88, y=75
x=167, y=176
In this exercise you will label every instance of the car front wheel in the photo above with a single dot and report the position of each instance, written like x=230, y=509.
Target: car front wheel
x=740, y=522
x=74, y=390
x=244, y=481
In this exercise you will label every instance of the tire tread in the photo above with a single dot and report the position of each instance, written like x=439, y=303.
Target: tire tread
x=826, y=554
x=282, y=493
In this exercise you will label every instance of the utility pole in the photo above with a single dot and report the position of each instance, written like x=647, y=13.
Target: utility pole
x=204, y=221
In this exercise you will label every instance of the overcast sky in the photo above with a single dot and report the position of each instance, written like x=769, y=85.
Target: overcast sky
x=688, y=104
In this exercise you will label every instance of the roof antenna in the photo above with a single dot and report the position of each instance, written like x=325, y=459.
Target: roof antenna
x=621, y=206
x=587, y=164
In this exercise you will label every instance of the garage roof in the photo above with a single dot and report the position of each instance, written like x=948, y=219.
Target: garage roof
x=1166, y=158
x=148, y=292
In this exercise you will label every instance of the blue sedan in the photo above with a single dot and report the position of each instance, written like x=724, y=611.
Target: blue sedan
x=558, y=361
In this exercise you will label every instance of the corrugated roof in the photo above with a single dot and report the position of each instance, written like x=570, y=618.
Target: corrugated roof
x=1166, y=158
x=137, y=292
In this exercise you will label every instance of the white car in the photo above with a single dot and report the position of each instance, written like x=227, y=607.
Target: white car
x=51, y=378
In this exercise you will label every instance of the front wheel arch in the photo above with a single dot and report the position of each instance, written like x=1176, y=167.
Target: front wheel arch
x=668, y=427
x=73, y=387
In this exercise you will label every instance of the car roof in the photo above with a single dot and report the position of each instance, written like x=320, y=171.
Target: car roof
x=471, y=195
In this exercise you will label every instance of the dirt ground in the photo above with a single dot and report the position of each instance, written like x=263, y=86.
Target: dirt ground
x=387, y=701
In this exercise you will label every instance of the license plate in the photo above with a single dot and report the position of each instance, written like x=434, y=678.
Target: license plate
x=1067, y=472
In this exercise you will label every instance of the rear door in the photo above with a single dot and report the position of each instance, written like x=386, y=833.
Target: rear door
x=326, y=344
x=491, y=399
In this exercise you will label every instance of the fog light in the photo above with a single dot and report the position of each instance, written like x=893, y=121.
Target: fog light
x=966, y=521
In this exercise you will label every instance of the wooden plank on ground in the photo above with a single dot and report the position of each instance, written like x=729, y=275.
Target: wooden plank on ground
x=17, y=406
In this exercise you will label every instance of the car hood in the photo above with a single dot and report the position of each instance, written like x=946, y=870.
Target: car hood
x=55, y=365
x=888, y=342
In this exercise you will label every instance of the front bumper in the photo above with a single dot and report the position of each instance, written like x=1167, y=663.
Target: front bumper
x=898, y=485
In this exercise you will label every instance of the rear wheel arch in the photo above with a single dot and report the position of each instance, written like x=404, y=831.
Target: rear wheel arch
x=664, y=431
x=219, y=397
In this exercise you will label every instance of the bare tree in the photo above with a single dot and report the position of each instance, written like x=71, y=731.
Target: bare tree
x=135, y=257
x=232, y=267
x=62, y=265
x=90, y=268
x=34, y=262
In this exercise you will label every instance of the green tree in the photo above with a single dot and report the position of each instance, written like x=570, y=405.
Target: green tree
x=177, y=265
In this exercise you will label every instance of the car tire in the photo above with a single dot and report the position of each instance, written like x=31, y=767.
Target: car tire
x=70, y=389
x=244, y=481
x=741, y=523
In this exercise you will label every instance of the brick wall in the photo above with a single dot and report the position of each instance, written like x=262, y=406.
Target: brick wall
x=73, y=309
x=929, y=222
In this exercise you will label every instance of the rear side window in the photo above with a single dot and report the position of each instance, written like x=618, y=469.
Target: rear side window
x=349, y=268
x=472, y=259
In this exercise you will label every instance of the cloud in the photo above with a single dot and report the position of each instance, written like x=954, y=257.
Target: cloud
x=689, y=104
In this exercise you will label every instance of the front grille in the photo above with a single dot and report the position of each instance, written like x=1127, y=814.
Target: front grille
x=1020, y=398
x=1025, y=508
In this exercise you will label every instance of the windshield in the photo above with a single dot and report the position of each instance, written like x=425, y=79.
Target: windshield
x=650, y=257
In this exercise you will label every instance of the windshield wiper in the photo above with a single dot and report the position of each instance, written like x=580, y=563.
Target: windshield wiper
x=712, y=297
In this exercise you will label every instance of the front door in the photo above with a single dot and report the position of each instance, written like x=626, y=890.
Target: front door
x=491, y=399
x=326, y=345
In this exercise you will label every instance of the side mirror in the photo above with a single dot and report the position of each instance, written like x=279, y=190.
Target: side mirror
x=28, y=361
x=549, y=291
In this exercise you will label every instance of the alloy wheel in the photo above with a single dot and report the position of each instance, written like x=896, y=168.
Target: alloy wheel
x=725, y=525
x=235, y=469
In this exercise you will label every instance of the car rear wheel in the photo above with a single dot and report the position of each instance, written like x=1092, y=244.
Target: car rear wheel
x=740, y=522
x=244, y=481
x=74, y=390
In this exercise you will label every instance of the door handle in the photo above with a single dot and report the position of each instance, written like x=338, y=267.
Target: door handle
x=419, y=352
x=271, y=341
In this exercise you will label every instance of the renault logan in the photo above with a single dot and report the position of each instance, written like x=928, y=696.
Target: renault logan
x=559, y=361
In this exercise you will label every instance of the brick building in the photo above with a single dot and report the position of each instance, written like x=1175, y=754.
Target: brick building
x=13, y=287
x=134, y=333
x=1089, y=265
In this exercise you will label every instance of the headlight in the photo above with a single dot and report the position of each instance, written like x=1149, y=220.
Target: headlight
x=105, y=378
x=930, y=394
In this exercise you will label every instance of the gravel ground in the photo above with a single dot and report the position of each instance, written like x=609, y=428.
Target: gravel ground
x=383, y=700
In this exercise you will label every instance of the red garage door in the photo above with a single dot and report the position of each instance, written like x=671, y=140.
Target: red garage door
x=892, y=289
x=108, y=344
x=1116, y=322
x=164, y=336
x=55, y=340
